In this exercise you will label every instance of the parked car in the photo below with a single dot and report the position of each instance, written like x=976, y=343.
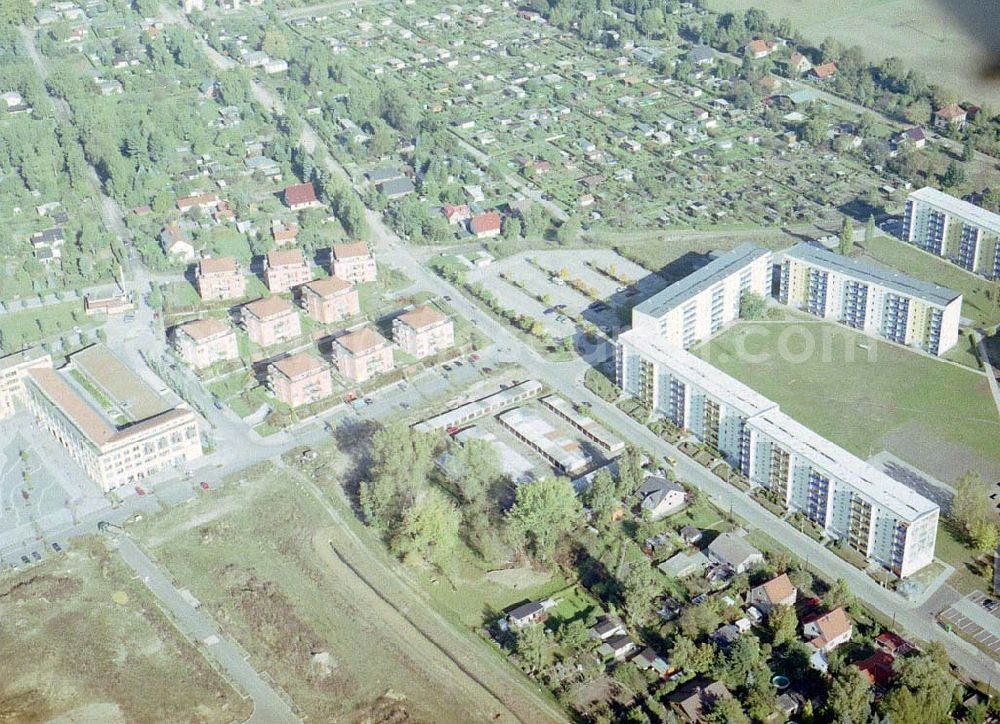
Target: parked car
x=56, y=547
x=36, y=555
x=25, y=560
x=473, y=357
x=204, y=485
x=139, y=490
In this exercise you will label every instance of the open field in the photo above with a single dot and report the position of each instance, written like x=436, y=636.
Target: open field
x=82, y=639
x=293, y=586
x=927, y=37
x=935, y=415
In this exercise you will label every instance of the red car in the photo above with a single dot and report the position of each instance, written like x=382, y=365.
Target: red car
x=474, y=357
x=139, y=490
x=204, y=485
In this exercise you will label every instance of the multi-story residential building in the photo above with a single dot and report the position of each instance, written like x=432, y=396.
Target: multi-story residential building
x=688, y=391
x=13, y=369
x=423, y=331
x=330, y=300
x=881, y=518
x=353, y=263
x=956, y=230
x=702, y=303
x=870, y=298
x=300, y=379
x=220, y=278
x=362, y=354
x=119, y=437
x=271, y=320
x=285, y=269
x=204, y=342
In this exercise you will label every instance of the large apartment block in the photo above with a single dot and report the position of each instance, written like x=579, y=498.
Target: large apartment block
x=877, y=516
x=362, y=354
x=423, y=331
x=117, y=428
x=702, y=303
x=300, y=379
x=353, y=263
x=330, y=300
x=870, y=298
x=851, y=500
x=13, y=370
x=220, y=278
x=285, y=269
x=271, y=320
x=204, y=342
x=956, y=230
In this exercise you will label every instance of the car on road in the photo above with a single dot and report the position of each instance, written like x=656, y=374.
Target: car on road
x=405, y=405
x=473, y=357
x=204, y=485
x=36, y=555
x=561, y=318
x=550, y=310
x=368, y=400
x=139, y=490
x=26, y=495
x=487, y=370
x=447, y=368
x=447, y=298
x=458, y=363
x=56, y=547
x=25, y=560
x=671, y=461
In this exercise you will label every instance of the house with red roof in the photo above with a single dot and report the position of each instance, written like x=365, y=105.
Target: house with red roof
x=951, y=116
x=301, y=196
x=456, y=214
x=824, y=71
x=483, y=226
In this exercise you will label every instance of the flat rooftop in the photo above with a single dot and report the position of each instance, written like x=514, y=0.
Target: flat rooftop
x=481, y=407
x=957, y=207
x=700, y=373
x=704, y=278
x=868, y=480
x=556, y=445
x=124, y=389
x=874, y=273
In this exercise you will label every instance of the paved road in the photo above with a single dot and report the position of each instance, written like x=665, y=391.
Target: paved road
x=269, y=707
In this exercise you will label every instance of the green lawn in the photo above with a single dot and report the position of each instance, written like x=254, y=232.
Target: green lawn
x=24, y=328
x=906, y=258
x=938, y=416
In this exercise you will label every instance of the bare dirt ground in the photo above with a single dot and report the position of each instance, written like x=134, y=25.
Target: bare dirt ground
x=285, y=576
x=70, y=653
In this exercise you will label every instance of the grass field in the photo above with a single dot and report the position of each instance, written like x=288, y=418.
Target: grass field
x=289, y=583
x=935, y=415
x=921, y=32
x=71, y=650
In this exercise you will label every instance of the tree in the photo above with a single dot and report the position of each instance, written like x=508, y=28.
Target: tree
x=543, y=511
x=846, y=236
x=629, y=472
x=574, y=634
x=275, y=44
x=474, y=467
x=15, y=12
x=984, y=535
x=783, y=624
x=530, y=645
x=683, y=653
x=401, y=460
x=922, y=691
x=640, y=585
x=701, y=619
x=968, y=150
x=850, y=696
x=970, y=500
x=726, y=711
x=568, y=232
x=601, y=496
x=953, y=176
x=838, y=595
x=870, y=230
x=429, y=529
x=752, y=306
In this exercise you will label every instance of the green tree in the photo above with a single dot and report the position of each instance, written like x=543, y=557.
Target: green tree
x=401, y=460
x=726, y=711
x=850, y=696
x=542, y=512
x=782, y=623
x=922, y=691
x=568, y=231
x=530, y=645
x=846, y=236
x=984, y=535
x=968, y=150
x=970, y=500
x=838, y=595
x=629, y=471
x=752, y=306
x=870, y=230
x=15, y=12
x=953, y=176
x=474, y=468
x=640, y=585
x=429, y=529
x=601, y=495
x=275, y=44
x=574, y=635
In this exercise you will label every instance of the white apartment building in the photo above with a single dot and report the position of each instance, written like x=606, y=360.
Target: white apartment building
x=956, y=230
x=702, y=303
x=870, y=298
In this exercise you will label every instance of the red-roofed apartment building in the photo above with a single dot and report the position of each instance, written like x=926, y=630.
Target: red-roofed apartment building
x=301, y=196
x=220, y=278
x=204, y=342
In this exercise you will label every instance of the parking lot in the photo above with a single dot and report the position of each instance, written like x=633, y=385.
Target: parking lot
x=971, y=617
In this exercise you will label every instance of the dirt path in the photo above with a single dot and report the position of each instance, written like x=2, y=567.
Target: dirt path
x=459, y=656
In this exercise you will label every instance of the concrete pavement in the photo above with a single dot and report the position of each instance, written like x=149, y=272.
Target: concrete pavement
x=269, y=706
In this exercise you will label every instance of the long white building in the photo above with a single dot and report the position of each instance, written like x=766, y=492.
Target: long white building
x=879, y=517
x=702, y=303
x=870, y=298
x=962, y=233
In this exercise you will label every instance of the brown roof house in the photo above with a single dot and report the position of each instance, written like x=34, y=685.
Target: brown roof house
x=301, y=196
x=423, y=332
x=362, y=354
x=271, y=320
x=330, y=300
x=693, y=702
x=353, y=263
x=300, y=379
x=758, y=49
x=483, y=226
x=951, y=116
x=220, y=278
x=825, y=633
x=779, y=591
x=284, y=232
x=799, y=63
x=285, y=269
x=204, y=342
x=175, y=243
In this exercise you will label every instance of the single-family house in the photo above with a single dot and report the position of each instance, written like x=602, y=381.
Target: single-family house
x=825, y=633
x=758, y=49
x=527, y=614
x=617, y=647
x=456, y=214
x=733, y=551
x=660, y=497
x=486, y=225
x=701, y=55
x=779, y=591
x=824, y=71
x=397, y=188
x=606, y=627
x=690, y=534
x=799, y=63
x=649, y=659
x=951, y=116
x=175, y=243
x=301, y=196
x=694, y=701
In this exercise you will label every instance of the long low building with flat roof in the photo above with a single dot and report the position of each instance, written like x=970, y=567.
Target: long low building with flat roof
x=703, y=302
x=871, y=298
x=489, y=405
x=876, y=515
x=587, y=425
x=561, y=451
x=965, y=234
x=112, y=424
